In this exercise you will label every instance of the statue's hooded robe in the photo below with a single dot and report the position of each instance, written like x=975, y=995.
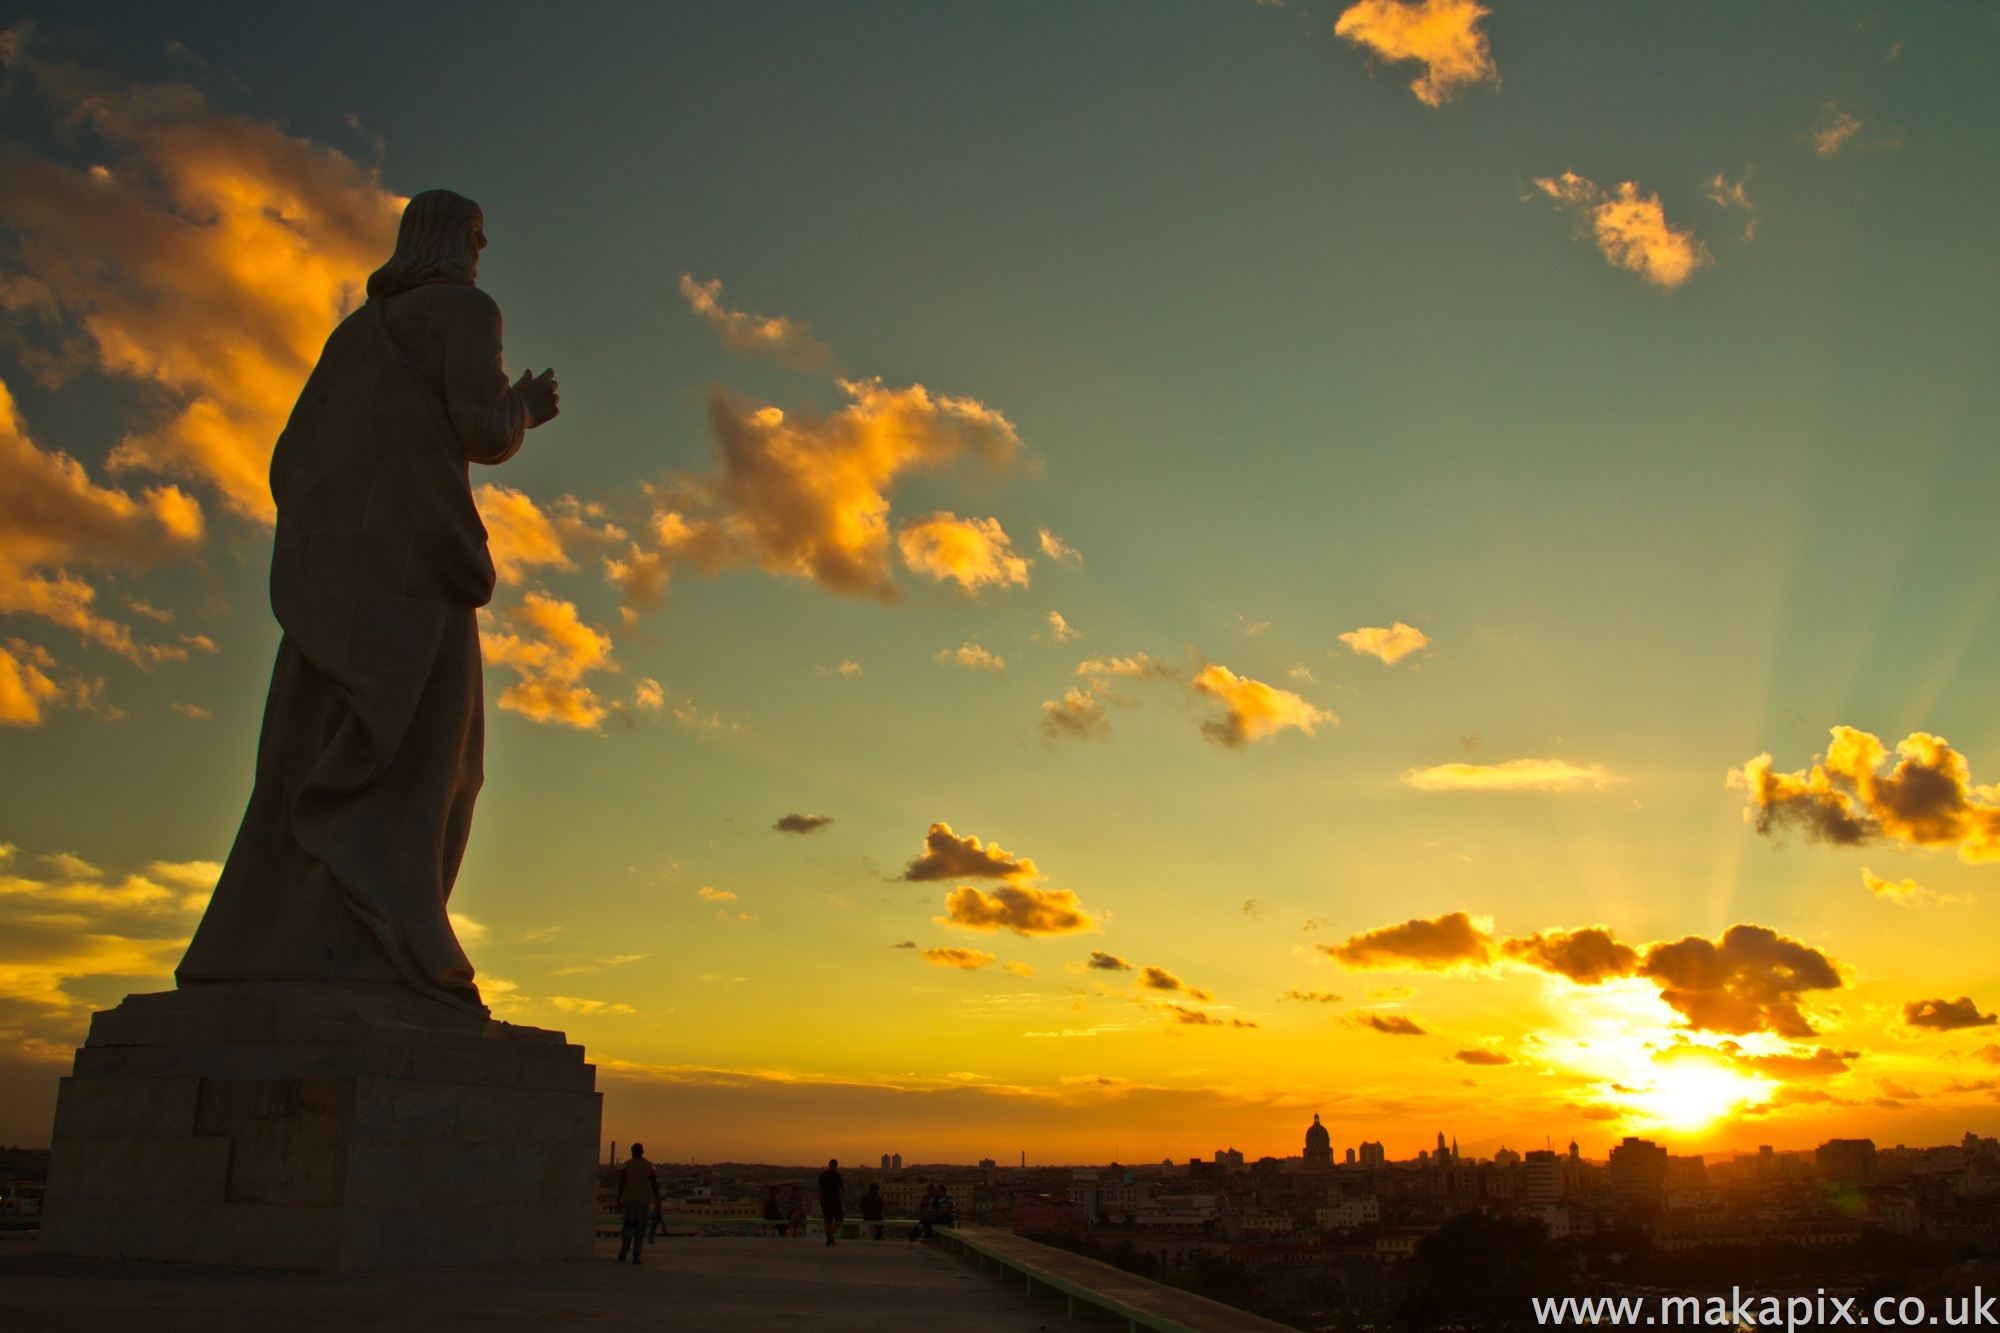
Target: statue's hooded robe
x=370, y=756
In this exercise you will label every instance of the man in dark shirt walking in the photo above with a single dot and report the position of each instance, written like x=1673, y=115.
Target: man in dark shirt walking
x=830, y=1209
x=638, y=1195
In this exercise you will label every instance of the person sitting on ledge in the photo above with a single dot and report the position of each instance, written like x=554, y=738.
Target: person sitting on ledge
x=938, y=1210
x=639, y=1195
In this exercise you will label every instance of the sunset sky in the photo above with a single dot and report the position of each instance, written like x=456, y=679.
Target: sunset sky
x=1110, y=577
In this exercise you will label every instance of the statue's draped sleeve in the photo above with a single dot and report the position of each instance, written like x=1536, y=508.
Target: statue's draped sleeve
x=371, y=754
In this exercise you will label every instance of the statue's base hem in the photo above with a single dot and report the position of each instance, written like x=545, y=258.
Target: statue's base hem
x=318, y=1127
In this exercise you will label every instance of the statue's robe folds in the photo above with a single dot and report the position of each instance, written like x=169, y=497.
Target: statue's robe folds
x=374, y=729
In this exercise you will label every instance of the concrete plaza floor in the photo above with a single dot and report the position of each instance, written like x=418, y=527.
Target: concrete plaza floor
x=724, y=1283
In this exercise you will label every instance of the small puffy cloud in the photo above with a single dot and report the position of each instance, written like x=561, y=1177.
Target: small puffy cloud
x=1390, y=1025
x=905, y=944
x=1909, y=893
x=802, y=823
x=29, y=685
x=1734, y=194
x=1434, y=944
x=1058, y=550
x=1101, y=961
x=1060, y=630
x=1019, y=969
x=948, y=856
x=710, y=894
x=1392, y=645
x=1021, y=908
x=1310, y=996
x=1587, y=956
x=194, y=712
x=1443, y=34
x=519, y=535
x=788, y=341
x=1513, y=775
x=1832, y=131
x=1159, y=979
x=1253, y=908
x=1183, y=1015
x=1631, y=229
x=969, y=959
x=1822, y=1062
x=649, y=695
x=1076, y=716
x=1927, y=799
x=1302, y=673
x=545, y=643
x=809, y=497
x=569, y=1004
x=972, y=657
x=467, y=930
x=1137, y=667
x=1946, y=1015
x=1479, y=1055
x=1253, y=710
x=1748, y=981
x=973, y=552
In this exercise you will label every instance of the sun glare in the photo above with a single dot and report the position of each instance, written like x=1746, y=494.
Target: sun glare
x=1690, y=1092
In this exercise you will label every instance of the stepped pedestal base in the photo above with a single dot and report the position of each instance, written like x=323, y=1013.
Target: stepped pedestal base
x=318, y=1127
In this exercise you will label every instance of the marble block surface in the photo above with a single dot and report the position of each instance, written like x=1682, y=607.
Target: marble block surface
x=321, y=1127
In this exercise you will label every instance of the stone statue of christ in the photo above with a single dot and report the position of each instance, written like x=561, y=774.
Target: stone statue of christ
x=374, y=729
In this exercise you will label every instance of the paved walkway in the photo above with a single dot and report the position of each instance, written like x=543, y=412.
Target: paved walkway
x=799, y=1286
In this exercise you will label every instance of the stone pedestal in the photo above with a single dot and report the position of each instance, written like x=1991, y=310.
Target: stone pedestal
x=318, y=1127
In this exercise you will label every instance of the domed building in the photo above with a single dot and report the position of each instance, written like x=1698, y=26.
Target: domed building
x=1319, y=1145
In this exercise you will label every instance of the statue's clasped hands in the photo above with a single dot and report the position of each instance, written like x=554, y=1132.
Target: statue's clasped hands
x=538, y=395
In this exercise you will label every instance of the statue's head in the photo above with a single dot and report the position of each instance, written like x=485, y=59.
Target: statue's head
x=439, y=241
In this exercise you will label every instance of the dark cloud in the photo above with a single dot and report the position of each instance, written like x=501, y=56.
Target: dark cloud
x=1947, y=1015
x=1159, y=979
x=1107, y=962
x=1394, y=1025
x=948, y=856
x=906, y=944
x=1311, y=996
x=1824, y=1062
x=802, y=823
x=1180, y=1013
x=1077, y=716
x=1479, y=1056
x=1431, y=945
x=1749, y=981
x=1587, y=956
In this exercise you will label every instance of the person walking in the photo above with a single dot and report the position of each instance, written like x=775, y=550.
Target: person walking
x=871, y=1207
x=831, y=1211
x=638, y=1195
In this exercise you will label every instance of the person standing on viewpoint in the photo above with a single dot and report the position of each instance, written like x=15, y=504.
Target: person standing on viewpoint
x=871, y=1208
x=638, y=1195
x=830, y=1210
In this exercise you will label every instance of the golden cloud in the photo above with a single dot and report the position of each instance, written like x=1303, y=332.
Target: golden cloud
x=711, y=894
x=1058, y=550
x=519, y=535
x=1392, y=645
x=1909, y=893
x=1436, y=944
x=1076, y=716
x=1060, y=630
x=1159, y=979
x=54, y=518
x=27, y=688
x=1926, y=800
x=1946, y=1015
x=1253, y=710
x=1833, y=130
x=209, y=259
x=546, y=644
x=969, y=959
x=786, y=340
x=78, y=925
x=1631, y=229
x=809, y=497
x=1513, y=775
x=948, y=856
x=1443, y=34
x=973, y=552
x=1021, y=908
x=1391, y=1025
x=1137, y=667
x=972, y=657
